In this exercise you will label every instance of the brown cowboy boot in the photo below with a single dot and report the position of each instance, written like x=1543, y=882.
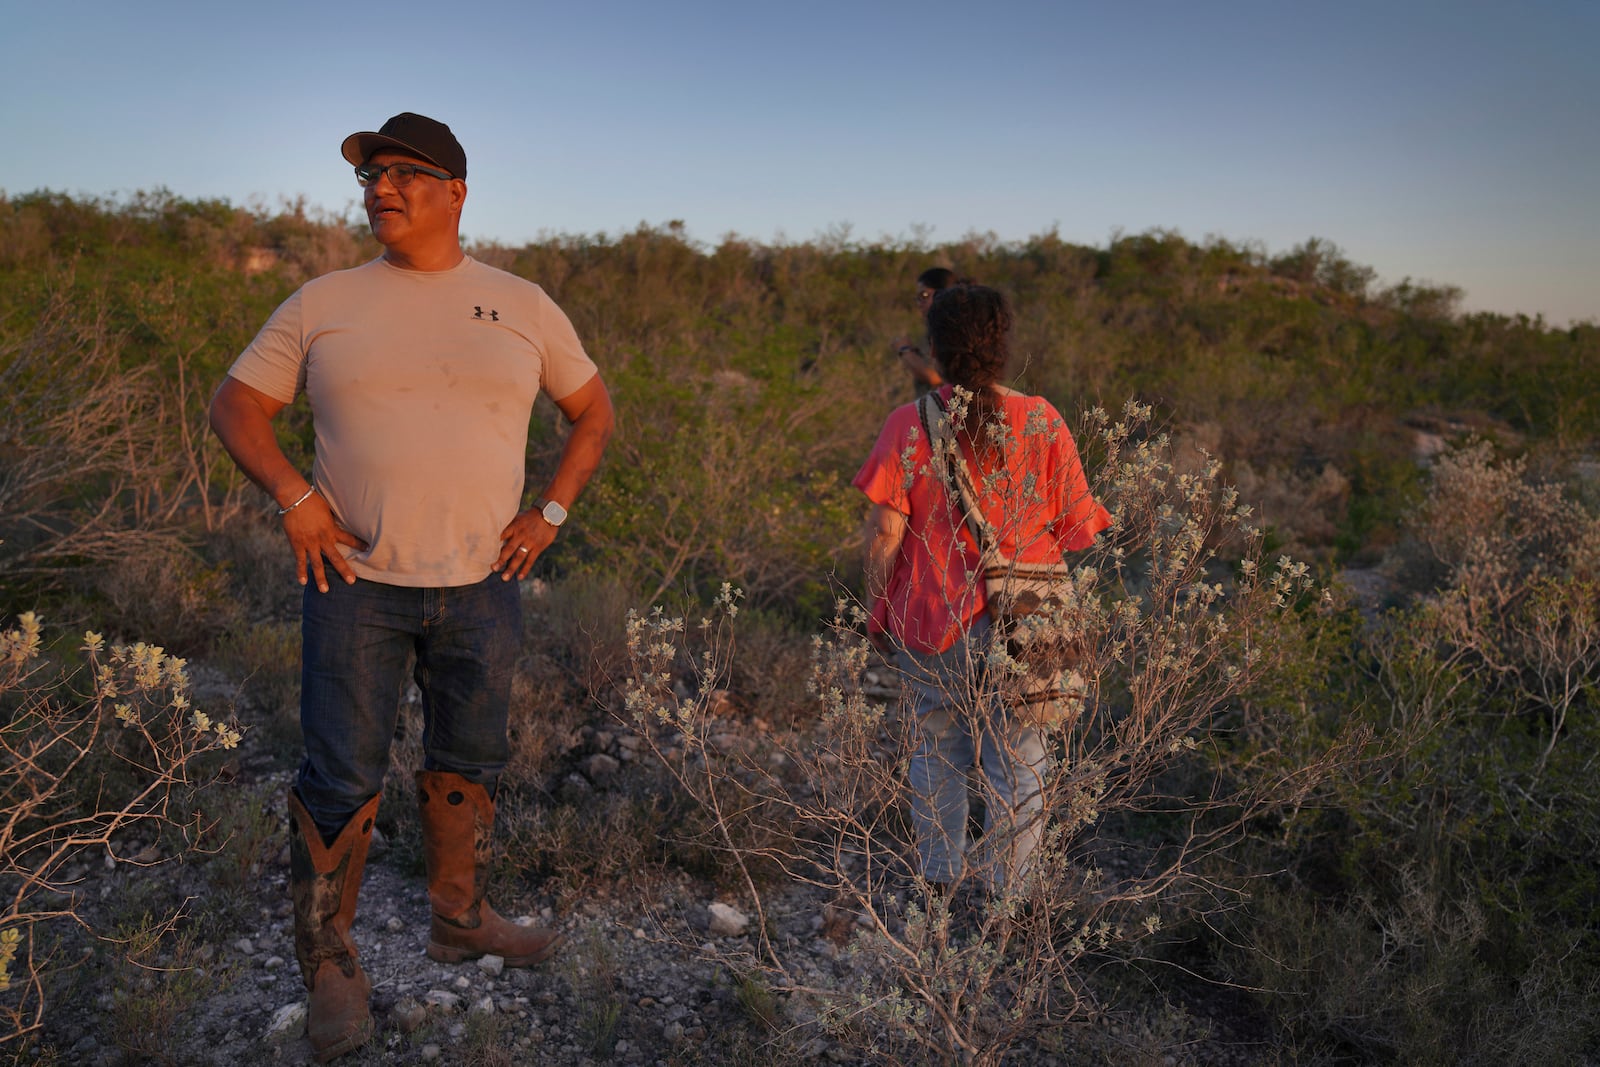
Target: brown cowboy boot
x=323, y=882
x=457, y=826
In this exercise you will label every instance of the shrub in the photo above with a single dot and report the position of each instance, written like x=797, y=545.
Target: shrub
x=574, y=625
x=1458, y=925
x=92, y=754
x=1412, y=978
x=727, y=473
x=265, y=658
x=1175, y=641
x=73, y=428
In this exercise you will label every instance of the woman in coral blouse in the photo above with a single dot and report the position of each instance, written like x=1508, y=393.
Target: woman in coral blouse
x=923, y=578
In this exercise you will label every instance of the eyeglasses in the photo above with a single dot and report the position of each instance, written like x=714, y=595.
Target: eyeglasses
x=400, y=174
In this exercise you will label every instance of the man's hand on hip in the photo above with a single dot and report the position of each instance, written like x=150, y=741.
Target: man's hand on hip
x=521, y=542
x=315, y=536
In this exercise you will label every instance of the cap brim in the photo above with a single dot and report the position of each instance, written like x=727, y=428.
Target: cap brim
x=359, y=147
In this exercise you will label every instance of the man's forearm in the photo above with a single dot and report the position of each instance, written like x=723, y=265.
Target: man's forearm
x=580, y=458
x=592, y=424
x=244, y=427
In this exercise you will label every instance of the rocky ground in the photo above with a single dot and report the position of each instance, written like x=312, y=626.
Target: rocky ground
x=638, y=981
x=626, y=988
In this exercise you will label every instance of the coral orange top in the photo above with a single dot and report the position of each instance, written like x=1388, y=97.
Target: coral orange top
x=1038, y=503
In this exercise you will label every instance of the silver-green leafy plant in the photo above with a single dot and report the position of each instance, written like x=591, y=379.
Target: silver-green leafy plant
x=92, y=752
x=1177, y=614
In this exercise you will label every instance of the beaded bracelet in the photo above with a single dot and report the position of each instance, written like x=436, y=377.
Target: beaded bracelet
x=297, y=503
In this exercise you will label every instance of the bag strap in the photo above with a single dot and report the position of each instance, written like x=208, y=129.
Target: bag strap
x=953, y=470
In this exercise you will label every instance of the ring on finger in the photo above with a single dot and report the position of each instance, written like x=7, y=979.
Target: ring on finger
x=523, y=549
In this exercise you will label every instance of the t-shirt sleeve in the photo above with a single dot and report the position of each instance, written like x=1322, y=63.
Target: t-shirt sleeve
x=567, y=367
x=886, y=475
x=1082, y=516
x=275, y=362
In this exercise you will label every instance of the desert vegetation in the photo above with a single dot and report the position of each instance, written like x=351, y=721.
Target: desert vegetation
x=1331, y=788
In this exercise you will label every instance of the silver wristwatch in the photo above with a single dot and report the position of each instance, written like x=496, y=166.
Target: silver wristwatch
x=553, y=513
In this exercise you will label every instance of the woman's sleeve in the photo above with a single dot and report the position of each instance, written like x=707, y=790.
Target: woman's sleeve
x=885, y=477
x=1082, y=516
x=882, y=478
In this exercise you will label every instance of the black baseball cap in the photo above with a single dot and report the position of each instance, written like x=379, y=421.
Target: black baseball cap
x=414, y=134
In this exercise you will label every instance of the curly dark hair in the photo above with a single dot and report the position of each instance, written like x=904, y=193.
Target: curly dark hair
x=969, y=331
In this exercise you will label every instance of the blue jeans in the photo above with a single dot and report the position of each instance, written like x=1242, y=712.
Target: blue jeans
x=960, y=721
x=355, y=640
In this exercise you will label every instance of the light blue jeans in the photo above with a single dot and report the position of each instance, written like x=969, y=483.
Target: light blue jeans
x=961, y=721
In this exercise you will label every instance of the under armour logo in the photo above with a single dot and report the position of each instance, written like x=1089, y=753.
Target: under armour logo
x=494, y=316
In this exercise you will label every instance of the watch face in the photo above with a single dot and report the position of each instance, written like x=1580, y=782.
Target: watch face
x=553, y=513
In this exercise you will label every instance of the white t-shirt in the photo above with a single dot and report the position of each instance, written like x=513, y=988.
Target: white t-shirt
x=421, y=385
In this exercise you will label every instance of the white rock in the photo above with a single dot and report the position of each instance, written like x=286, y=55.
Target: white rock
x=430, y=1053
x=727, y=921
x=289, y=1019
x=409, y=1014
x=245, y=946
x=491, y=964
x=484, y=1006
x=601, y=768
x=463, y=982
x=442, y=999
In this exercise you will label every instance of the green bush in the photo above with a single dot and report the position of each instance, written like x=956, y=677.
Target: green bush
x=93, y=754
x=1441, y=907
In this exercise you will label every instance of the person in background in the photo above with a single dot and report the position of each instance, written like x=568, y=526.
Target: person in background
x=924, y=375
x=421, y=369
x=926, y=595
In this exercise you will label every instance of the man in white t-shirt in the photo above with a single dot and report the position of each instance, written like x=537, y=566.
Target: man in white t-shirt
x=421, y=369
